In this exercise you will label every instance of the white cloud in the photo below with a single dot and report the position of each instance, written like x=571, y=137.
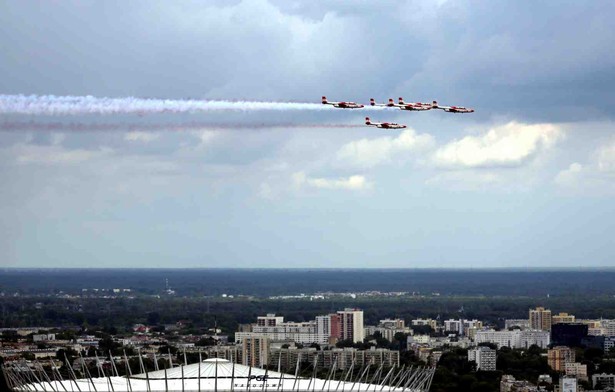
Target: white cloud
x=368, y=153
x=605, y=159
x=569, y=176
x=140, y=136
x=596, y=176
x=508, y=145
x=353, y=183
x=205, y=137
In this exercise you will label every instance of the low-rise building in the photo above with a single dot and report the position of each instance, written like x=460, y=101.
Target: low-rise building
x=562, y=318
x=44, y=337
x=430, y=322
x=232, y=353
x=418, y=339
x=595, y=327
x=461, y=326
x=393, y=323
x=509, y=384
x=388, y=328
x=343, y=358
x=521, y=323
x=609, y=343
x=567, y=384
x=576, y=369
x=603, y=381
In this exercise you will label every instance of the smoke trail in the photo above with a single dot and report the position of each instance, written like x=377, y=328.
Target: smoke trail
x=75, y=105
x=9, y=126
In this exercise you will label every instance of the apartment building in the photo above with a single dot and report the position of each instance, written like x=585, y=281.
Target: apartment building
x=540, y=318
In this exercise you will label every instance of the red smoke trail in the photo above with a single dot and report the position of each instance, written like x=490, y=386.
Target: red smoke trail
x=11, y=126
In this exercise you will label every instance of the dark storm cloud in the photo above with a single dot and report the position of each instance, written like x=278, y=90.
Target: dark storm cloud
x=545, y=60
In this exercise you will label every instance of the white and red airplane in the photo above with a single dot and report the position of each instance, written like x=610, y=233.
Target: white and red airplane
x=386, y=125
x=413, y=105
x=390, y=104
x=342, y=105
x=452, y=109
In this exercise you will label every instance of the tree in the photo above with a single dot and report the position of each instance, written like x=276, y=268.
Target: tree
x=607, y=367
x=10, y=336
x=206, y=342
x=66, y=356
x=166, y=349
x=422, y=329
x=593, y=354
x=490, y=345
x=106, y=344
x=402, y=339
x=344, y=343
x=65, y=335
x=28, y=356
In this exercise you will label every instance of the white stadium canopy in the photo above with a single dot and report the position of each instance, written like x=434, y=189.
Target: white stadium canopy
x=222, y=375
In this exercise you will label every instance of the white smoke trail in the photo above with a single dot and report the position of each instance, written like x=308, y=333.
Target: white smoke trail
x=9, y=126
x=76, y=105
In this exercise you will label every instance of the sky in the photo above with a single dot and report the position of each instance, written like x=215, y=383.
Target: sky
x=528, y=180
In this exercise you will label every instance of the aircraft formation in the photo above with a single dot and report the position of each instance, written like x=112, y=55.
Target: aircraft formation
x=410, y=106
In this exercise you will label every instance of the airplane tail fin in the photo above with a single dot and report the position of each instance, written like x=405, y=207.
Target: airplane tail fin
x=434, y=104
x=372, y=101
x=401, y=101
x=367, y=121
x=391, y=102
x=324, y=99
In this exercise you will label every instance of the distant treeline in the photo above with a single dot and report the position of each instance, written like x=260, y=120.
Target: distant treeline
x=202, y=313
x=270, y=282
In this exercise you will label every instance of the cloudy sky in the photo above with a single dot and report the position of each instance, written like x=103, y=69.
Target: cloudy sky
x=526, y=180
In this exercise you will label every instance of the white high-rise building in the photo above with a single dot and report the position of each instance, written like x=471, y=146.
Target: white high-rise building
x=323, y=325
x=453, y=326
x=304, y=333
x=270, y=320
x=461, y=327
x=514, y=339
x=484, y=358
x=351, y=324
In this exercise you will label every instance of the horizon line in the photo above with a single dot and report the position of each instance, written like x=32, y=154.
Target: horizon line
x=534, y=268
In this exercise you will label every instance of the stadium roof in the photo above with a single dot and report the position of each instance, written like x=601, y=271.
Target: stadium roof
x=221, y=375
